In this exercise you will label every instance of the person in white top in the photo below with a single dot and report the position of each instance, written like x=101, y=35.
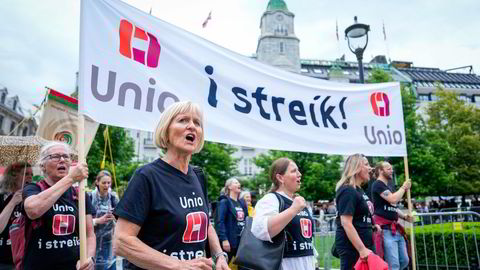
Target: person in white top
x=295, y=218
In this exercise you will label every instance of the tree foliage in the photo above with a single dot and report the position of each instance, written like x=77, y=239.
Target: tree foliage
x=442, y=147
x=218, y=164
x=122, y=152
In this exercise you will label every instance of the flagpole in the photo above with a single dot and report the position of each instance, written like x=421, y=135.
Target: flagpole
x=81, y=192
x=409, y=200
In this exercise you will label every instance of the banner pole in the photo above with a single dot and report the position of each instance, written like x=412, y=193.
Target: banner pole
x=409, y=200
x=81, y=192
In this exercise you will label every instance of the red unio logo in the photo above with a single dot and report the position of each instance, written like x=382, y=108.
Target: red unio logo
x=196, y=229
x=380, y=104
x=126, y=33
x=306, y=227
x=63, y=224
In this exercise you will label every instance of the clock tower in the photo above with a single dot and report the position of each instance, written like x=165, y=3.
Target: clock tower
x=277, y=45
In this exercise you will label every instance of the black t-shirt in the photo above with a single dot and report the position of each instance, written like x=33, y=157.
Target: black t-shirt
x=354, y=202
x=382, y=207
x=240, y=216
x=56, y=243
x=170, y=209
x=299, y=233
x=5, y=244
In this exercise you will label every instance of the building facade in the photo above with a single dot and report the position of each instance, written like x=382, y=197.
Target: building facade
x=13, y=120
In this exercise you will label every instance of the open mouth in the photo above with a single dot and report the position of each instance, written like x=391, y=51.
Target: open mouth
x=190, y=137
x=62, y=168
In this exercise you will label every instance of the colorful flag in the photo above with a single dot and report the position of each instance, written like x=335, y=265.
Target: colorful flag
x=384, y=34
x=336, y=24
x=59, y=121
x=204, y=24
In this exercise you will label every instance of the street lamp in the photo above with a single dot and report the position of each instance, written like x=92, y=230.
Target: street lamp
x=357, y=37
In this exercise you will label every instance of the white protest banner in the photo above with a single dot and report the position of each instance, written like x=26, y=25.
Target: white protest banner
x=133, y=65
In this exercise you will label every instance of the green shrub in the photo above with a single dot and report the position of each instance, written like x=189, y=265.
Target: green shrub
x=443, y=246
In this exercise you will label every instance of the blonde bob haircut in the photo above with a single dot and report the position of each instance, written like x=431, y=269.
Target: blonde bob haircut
x=161, y=132
x=352, y=167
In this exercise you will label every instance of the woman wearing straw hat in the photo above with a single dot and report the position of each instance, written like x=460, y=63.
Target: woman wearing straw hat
x=14, y=177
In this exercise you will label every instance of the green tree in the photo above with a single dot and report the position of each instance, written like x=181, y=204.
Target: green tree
x=320, y=172
x=454, y=125
x=122, y=151
x=426, y=157
x=218, y=165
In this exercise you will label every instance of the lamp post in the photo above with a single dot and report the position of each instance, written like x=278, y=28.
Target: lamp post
x=357, y=37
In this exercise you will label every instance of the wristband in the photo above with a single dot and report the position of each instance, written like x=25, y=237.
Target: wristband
x=218, y=254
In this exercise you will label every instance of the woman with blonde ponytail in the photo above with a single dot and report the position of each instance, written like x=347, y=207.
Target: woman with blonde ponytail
x=353, y=237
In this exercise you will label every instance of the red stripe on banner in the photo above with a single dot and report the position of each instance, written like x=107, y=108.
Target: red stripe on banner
x=60, y=95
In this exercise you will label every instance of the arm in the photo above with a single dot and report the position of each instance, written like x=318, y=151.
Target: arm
x=36, y=205
x=127, y=244
x=352, y=235
x=278, y=222
x=220, y=222
x=215, y=248
x=91, y=245
x=394, y=198
x=8, y=210
x=91, y=239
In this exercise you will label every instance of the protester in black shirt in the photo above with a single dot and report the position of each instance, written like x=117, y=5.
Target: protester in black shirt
x=163, y=215
x=13, y=179
x=386, y=213
x=354, y=218
x=56, y=244
x=231, y=214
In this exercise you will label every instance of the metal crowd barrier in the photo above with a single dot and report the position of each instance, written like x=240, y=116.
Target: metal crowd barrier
x=447, y=240
x=443, y=241
x=324, y=233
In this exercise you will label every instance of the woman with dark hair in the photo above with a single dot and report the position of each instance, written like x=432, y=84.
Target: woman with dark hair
x=14, y=177
x=296, y=219
x=104, y=201
x=353, y=237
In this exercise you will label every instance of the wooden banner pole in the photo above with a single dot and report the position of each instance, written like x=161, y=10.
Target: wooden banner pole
x=81, y=192
x=410, y=207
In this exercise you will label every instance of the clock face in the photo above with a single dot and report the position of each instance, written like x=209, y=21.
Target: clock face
x=279, y=17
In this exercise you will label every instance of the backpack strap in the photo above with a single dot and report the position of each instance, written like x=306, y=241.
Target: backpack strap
x=112, y=200
x=201, y=178
x=281, y=203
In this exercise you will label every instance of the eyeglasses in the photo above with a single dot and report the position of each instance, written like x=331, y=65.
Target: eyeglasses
x=57, y=157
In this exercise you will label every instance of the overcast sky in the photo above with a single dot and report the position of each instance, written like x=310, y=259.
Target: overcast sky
x=39, y=44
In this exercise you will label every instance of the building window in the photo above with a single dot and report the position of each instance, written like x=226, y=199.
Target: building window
x=12, y=126
x=250, y=170
x=464, y=98
x=25, y=131
x=14, y=105
x=4, y=95
x=317, y=70
x=282, y=49
x=304, y=70
x=433, y=97
x=1, y=123
x=423, y=97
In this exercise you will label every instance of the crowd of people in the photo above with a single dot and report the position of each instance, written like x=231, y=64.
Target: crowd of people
x=162, y=221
